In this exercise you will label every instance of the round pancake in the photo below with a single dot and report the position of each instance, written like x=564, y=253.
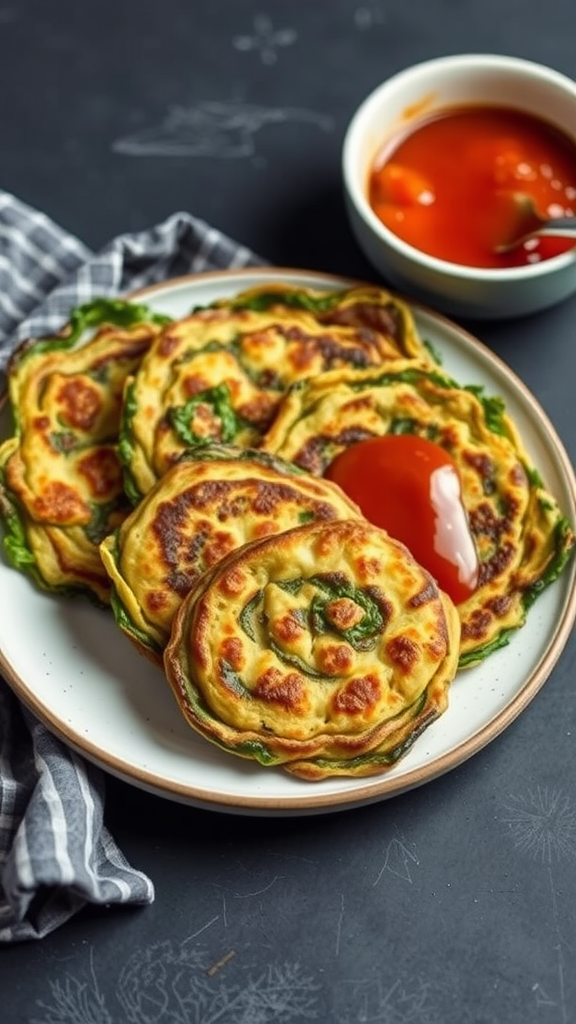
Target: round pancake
x=61, y=481
x=212, y=501
x=522, y=538
x=325, y=649
x=372, y=310
x=220, y=373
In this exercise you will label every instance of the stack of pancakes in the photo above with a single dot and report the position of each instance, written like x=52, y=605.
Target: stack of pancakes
x=175, y=471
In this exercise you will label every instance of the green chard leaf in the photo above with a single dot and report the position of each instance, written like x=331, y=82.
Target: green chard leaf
x=218, y=398
x=293, y=299
x=94, y=314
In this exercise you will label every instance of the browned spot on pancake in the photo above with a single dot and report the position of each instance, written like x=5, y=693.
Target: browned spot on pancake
x=287, y=628
x=321, y=511
x=264, y=528
x=497, y=564
x=181, y=580
x=333, y=351
x=217, y=545
x=164, y=426
x=232, y=582
x=207, y=493
x=268, y=497
x=357, y=405
x=156, y=600
x=437, y=643
x=344, y=613
x=312, y=454
x=483, y=466
x=500, y=605
x=233, y=651
x=384, y=319
x=333, y=580
x=259, y=410
x=286, y=691
x=260, y=343
x=449, y=436
x=518, y=475
x=351, y=435
x=260, y=339
x=324, y=544
x=40, y=424
x=358, y=696
x=476, y=626
x=368, y=566
x=169, y=525
x=225, y=505
x=301, y=358
x=532, y=543
x=428, y=593
x=183, y=554
x=385, y=606
x=270, y=379
x=484, y=522
x=80, y=403
x=168, y=341
x=102, y=472
x=206, y=422
x=403, y=653
x=59, y=503
x=335, y=659
x=193, y=384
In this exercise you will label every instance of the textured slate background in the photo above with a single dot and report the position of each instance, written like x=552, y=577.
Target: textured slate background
x=454, y=903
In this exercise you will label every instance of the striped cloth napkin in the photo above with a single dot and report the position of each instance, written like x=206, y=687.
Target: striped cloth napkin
x=56, y=854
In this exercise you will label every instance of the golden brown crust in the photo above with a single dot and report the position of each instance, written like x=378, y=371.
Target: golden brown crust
x=325, y=648
x=212, y=501
x=379, y=316
x=220, y=373
x=518, y=529
x=60, y=471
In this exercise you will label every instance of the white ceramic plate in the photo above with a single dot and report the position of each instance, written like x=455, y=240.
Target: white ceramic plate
x=69, y=662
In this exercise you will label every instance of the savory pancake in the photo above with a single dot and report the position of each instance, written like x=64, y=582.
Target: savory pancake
x=220, y=373
x=522, y=538
x=209, y=503
x=325, y=649
x=61, y=485
x=374, y=311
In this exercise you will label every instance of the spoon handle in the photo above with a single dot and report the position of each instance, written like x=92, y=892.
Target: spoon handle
x=563, y=227
x=557, y=227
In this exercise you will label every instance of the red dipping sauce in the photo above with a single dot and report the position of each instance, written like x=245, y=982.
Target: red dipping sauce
x=439, y=186
x=410, y=486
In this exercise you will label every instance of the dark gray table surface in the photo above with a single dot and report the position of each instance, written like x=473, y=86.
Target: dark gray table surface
x=453, y=903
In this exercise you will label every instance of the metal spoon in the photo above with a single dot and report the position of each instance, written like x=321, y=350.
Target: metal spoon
x=524, y=222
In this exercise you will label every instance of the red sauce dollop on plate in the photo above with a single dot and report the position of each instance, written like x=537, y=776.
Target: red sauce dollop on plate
x=439, y=185
x=410, y=487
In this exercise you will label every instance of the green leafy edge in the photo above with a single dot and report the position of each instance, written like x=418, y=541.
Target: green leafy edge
x=89, y=315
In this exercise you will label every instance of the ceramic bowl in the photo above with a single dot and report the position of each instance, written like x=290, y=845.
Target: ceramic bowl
x=422, y=90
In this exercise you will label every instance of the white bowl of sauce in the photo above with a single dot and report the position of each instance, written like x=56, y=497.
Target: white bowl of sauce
x=429, y=161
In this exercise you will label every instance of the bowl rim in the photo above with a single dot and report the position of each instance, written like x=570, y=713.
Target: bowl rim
x=357, y=196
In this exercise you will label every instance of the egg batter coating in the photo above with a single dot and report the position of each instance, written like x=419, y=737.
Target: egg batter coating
x=213, y=500
x=325, y=649
x=61, y=481
x=374, y=311
x=219, y=374
x=522, y=538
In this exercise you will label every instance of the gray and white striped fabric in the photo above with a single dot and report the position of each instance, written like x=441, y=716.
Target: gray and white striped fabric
x=56, y=854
